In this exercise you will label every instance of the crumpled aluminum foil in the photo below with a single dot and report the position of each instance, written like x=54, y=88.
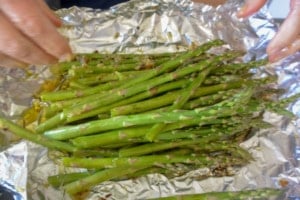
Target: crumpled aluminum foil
x=156, y=26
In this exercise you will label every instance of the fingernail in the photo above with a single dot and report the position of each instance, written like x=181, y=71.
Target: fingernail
x=241, y=12
x=21, y=65
x=17, y=64
x=66, y=57
x=278, y=55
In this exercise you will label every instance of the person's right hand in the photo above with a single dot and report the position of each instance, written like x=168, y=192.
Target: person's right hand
x=28, y=34
x=287, y=39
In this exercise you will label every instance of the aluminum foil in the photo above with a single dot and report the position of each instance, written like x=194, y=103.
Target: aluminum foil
x=159, y=26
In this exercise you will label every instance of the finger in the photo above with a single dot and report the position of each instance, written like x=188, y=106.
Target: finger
x=294, y=3
x=29, y=18
x=50, y=14
x=291, y=49
x=15, y=45
x=288, y=32
x=250, y=7
x=6, y=61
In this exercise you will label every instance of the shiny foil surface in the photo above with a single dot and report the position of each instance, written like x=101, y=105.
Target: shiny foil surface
x=151, y=27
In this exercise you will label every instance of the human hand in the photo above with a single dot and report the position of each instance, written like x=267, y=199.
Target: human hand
x=28, y=34
x=287, y=39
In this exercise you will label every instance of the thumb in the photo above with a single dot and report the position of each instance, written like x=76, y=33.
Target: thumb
x=250, y=7
x=49, y=13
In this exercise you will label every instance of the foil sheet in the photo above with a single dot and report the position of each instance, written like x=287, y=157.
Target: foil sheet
x=159, y=26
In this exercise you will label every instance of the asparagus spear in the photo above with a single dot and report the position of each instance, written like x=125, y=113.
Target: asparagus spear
x=69, y=94
x=216, y=135
x=99, y=163
x=101, y=68
x=111, y=137
x=62, y=179
x=81, y=60
x=214, y=79
x=6, y=124
x=106, y=77
x=209, y=99
x=96, y=152
x=86, y=183
x=239, y=68
x=119, y=62
x=161, y=146
x=53, y=122
x=132, y=133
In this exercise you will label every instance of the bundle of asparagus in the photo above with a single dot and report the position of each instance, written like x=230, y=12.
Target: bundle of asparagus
x=124, y=116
